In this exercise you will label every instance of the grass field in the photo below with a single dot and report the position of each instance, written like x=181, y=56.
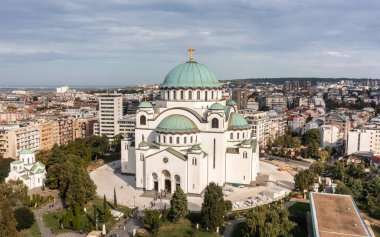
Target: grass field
x=32, y=231
x=183, y=229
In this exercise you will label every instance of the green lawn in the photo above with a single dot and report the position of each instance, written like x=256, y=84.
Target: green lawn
x=4, y=168
x=376, y=230
x=183, y=229
x=87, y=219
x=33, y=231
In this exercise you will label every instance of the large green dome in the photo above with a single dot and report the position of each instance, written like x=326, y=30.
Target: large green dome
x=177, y=123
x=190, y=75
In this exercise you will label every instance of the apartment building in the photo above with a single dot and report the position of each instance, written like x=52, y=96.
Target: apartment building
x=110, y=111
x=66, y=131
x=364, y=139
x=49, y=134
x=331, y=136
x=127, y=124
x=84, y=127
x=14, y=138
x=260, y=123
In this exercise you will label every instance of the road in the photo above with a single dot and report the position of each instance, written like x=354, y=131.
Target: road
x=125, y=227
x=291, y=161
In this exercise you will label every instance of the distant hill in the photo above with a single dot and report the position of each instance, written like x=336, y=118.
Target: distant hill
x=281, y=80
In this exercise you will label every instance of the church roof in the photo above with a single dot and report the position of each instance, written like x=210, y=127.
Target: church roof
x=176, y=153
x=231, y=103
x=26, y=152
x=237, y=122
x=190, y=75
x=216, y=106
x=16, y=162
x=177, y=124
x=145, y=104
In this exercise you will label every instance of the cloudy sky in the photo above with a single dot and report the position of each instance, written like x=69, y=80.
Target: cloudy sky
x=120, y=42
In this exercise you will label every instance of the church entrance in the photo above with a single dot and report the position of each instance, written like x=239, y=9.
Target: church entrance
x=168, y=185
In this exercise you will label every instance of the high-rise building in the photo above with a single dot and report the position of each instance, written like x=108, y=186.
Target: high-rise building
x=241, y=98
x=110, y=111
x=66, y=128
x=49, y=134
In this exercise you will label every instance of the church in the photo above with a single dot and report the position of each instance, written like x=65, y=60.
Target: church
x=190, y=137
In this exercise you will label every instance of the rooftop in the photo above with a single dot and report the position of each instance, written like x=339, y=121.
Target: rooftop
x=336, y=215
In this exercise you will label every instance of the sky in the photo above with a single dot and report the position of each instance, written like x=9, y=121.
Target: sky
x=124, y=43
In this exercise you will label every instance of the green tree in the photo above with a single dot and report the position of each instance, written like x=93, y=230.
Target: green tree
x=269, y=220
x=77, y=216
x=178, y=205
x=8, y=221
x=311, y=136
x=323, y=155
x=341, y=188
x=24, y=217
x=228, y=205
x=15, y=191
x=313, y=150
x=318, y=168
x=212, y=207
x=339, y=171
x=114, y=198
x=304, y=179
x=152, y=221
x=297, y=142
x=116, y=143
x=106, y=210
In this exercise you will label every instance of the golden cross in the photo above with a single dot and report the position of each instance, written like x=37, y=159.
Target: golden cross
x=191, y=50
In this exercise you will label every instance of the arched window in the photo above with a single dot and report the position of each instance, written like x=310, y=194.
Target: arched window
x=243, y=135
x=168, y=95
x=142, y=120
x=198, y=95
x=159, y=139
x=141, y=157
x=194, y=161
x=190, y=95
x=245, y=155
x=174, y=95
x=164, y=139
x=214, y=123
x=206, y=95
x=185, y=140
x=191, y=139
x=181, y=95
x=170, y=140
x=231, y=136
x=237, y=136
x=177, y=140
x=212, y=94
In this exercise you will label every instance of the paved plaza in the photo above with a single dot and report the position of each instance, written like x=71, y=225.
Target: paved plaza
x=109, y=177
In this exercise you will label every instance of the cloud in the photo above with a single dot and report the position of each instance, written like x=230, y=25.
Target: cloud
x=260, y=38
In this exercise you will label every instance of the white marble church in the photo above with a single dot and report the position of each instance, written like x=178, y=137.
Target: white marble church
x=191, y=137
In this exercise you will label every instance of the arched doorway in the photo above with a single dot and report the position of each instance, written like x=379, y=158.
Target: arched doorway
x=177, y=181
x=155, y=182
x=167, y=181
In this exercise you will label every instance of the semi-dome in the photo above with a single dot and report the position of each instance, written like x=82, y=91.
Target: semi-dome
x=231, y=103
x=190, y=75
x=237, y=122
x=145, y=104
x=177, y=124
x=216, y=106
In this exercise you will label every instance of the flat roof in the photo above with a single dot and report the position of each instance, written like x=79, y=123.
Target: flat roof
x=336, y=215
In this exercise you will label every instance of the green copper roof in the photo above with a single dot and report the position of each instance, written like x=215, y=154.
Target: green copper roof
x=177, y=124
x=145, y=104
x=16, y=162
x=144, y=144
x=190, y=75
x=196, y=147
x=231, y=103
x=237, y=122
x=216, y=106
x=26, y=152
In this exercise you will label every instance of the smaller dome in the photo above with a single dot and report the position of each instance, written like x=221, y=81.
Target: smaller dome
x=237, y=122
x=145, y=104
x=144, y=144
x=216, y=106
x=231, y=103
x=177, y=123
x=195, y=147
x=26, y=151
x=246, y=143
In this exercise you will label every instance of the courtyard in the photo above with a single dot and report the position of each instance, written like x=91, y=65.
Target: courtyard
x=108, y=177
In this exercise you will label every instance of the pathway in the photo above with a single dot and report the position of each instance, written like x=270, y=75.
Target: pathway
x=230, y=226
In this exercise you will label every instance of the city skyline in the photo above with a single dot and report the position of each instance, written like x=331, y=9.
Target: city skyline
x=118, y=43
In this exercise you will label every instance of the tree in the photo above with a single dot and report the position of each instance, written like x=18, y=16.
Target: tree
x=24, y=217
x=318, y=167
x=341, y=188
x=77, y=216
x=80, y=187
x=15, y=191
x=152, y=221
x=8, y=221
x=323, y=155
x=297, y=142
x=269, y=220
x=339, y=171
x=304, y=179
x=313, y=150
x=212, y=207
x=116, y=143
x=106, y=210
x=178, y=205
x=228, y=205
x=311, y=136
x=114, y=198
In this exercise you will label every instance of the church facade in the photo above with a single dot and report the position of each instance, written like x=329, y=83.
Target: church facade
x=191, y=137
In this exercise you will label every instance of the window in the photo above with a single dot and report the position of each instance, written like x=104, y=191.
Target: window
x=212, y=94
x=170, y=140
x=206, y=95
x=214, y=153
x=231, y=136
x=168, y=95
x=141, y=157
x=185, y=140
x=174, y=95
x=237, y=136
x=243, y=135
x=190, y=95
x=159, y=139
x=182, y=95
x=194, y=161
x=245, y=155
x=214, y=123
x=198, y=95
x=142, y=120
x=164, y=139
x=191, y=139
x=177, y=140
